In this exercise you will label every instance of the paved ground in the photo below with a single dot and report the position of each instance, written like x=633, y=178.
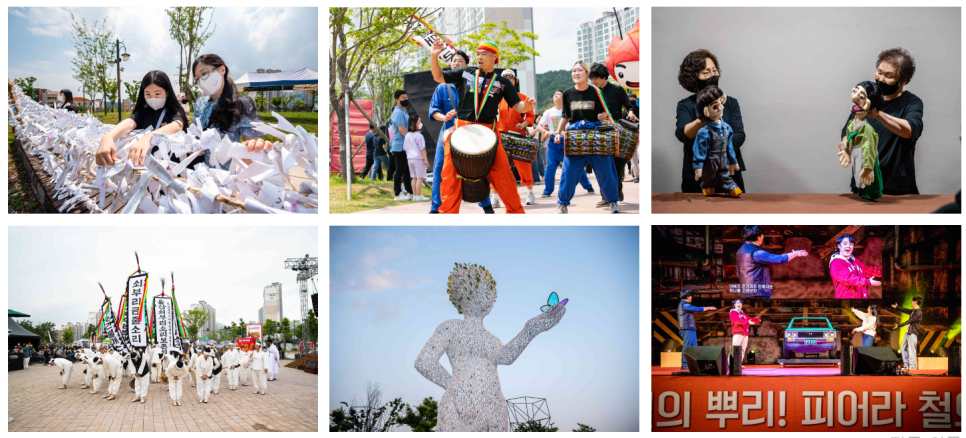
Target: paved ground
x=290, y=404
x=782, y=203
x=582, y=203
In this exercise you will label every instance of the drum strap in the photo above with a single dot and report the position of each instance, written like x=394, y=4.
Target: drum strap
x=601, y=96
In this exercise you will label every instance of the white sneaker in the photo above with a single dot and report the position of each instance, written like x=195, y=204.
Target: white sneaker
x=401, y=197
x=614, y=208
x=495, y=201
x=420, y=199
x=530, y=200
x=561, y=209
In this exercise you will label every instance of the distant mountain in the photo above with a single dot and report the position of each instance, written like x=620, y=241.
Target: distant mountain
x=547, y=84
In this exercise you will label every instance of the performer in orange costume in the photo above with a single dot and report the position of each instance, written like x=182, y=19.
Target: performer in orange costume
x=480, y=90
x=517, y=123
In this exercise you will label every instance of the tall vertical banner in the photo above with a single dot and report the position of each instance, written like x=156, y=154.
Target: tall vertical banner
x=166, y=332
x=109, y=328
x=136, y=287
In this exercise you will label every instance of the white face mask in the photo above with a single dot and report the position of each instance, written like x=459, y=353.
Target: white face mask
x=211, y=84
x=156, y=102
x=60, y=99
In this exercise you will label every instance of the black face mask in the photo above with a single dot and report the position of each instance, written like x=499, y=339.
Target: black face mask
x=713, y=80
x=404, y=103
x=887, y=90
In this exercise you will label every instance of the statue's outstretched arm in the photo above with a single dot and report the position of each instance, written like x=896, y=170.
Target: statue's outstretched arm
x=427, y=363
x=536, y=325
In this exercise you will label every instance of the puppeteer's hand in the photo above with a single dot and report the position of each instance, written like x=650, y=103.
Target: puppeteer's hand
x=894, y=305
x=874, y=282
x=732, y=168
x=868, y=176
x=546, y=320
x=844, y=159
x=697, y=174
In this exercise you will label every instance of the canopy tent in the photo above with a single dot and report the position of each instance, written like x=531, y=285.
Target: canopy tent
x=16, y=314
x=19, y=335
x=301, y=79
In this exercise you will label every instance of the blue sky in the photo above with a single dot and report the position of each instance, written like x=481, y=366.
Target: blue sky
x=388, y=294
x=246, y=38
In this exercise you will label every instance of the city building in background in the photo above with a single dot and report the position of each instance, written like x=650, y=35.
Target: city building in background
x=455, y=23
x=261, y=315
x=209, y=325
x=593, y=37
x=273, y=302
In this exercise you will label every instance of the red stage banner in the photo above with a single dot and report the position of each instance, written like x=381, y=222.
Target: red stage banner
x=806, y=404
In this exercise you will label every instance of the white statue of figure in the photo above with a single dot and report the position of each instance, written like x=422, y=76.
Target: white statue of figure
x=473, y=400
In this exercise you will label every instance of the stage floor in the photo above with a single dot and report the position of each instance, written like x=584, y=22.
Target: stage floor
x=785, y=203
x=788, y=370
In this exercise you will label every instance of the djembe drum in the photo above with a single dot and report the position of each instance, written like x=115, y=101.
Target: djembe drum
x=591, y=142
x=519, y=147
x=473, y=151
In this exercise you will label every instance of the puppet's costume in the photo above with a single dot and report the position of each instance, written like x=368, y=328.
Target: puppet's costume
x=714, y=152
x=863, y=144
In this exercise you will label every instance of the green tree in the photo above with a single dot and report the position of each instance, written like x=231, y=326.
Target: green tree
x=373, y=417
x=584, y=428
x=313, y=99
x=423, y=419
x=535, y=426
x=69, y=334
x=286, y=328
x=189, y=29
x=261, y=102
x=277, y=103
x=111, y=92
x=547, y=84
x=47, y=332
x=286, y=101
x=194, y=320
x=313, y=325
x=27, y=86
x=513, y=50
x=28, y=326
x=95, y=46
x=297, y=332
x=131, y=89
x=386, y=76
x=91, y=331
x=360, y=35
x=242, y=328
x=269, y=329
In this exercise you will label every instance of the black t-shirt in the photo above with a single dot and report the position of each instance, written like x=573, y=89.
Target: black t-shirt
x=463, y=78
x=582, y=105
x=377, y=145
x=617, y=101
x=897, y=155
x=69, y=107
x=149, y=117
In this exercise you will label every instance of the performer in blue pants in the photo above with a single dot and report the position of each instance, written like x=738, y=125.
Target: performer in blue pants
x=555, y=150
x=686, y=326
x=440, y=108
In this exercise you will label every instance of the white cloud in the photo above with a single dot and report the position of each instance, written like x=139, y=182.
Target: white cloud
x=384, y=312
x=53, y=22
x=17, y=12
x=70, y=53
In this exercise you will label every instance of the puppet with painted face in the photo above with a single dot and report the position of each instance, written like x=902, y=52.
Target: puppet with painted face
x=623, y=59
x=714, y=154
x=862, y=142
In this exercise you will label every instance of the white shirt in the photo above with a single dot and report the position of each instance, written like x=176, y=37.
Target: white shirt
x=550, y=121
x=259, y=361
x=112, y=366
x=63, y=364
x=173, y=371
x=205, y=365
x=869, y=322
x=273, y=352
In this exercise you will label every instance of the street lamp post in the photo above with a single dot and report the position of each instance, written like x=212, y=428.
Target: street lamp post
x=117, y=44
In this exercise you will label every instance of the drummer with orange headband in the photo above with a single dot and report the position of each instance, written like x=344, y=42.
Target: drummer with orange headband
x=480, y=92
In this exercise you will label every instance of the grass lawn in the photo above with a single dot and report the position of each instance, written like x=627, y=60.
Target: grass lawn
x=366, y=195
x=309, y=121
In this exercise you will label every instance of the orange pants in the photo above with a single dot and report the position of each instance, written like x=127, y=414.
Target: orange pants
x=500, y=176
x=525, y=171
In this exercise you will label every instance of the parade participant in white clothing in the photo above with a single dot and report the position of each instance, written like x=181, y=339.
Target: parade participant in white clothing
x=231, y=360
x=156, y=366
x=176, y=370
x=86, y=361
x=245, y=365
x=97, y=369
x=65, y=367
x=259, y=369
x=113, y=372
x=204, y=366
x=216, y=374
x=142, y=375
x=273, y=357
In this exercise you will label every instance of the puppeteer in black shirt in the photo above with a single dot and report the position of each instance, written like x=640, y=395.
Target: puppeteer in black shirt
x=502, y=89
x=897, y=155
x=581, y=105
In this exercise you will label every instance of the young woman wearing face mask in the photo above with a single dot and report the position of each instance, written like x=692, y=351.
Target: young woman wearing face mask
x=222, y=108
x=698, y=70
x=157, y=107
x=66, y=100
